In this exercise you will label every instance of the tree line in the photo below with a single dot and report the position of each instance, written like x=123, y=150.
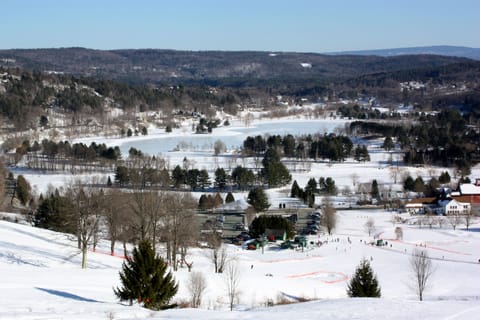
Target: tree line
x=447, y=138
x=327, y=146
x=143, y=215
x=63, y=156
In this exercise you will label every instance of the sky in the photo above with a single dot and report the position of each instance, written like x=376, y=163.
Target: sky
x=265, y=25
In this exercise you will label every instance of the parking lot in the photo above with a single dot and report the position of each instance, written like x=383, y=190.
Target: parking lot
x=231, y=224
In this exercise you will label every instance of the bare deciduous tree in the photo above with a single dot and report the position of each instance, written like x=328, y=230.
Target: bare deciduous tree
x=399, y=233
x=232, y=282
x=422, y=269
x=429, y=219
x=467, y=219
x=218, y=254
x=354, y=178
x=440, y=221
x=146, y=207
x=179, y=225
x=219, y=147
x=454, y=219
x=250, y=214
x=116, y=216
x=370, y=226
x=329, y=216
x=87, y=209
x=197, y=284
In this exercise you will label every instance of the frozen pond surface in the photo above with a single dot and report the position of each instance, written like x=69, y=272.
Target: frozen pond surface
x=233, y=137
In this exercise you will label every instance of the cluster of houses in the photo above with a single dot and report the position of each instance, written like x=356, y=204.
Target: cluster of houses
x=465, y=201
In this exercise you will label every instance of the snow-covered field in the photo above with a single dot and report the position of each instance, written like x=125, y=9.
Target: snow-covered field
x=42, y=278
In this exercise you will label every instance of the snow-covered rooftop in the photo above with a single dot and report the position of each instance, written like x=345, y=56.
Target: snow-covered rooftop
x=469, y=189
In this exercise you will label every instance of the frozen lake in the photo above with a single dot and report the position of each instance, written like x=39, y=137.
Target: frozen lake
x=233, y=137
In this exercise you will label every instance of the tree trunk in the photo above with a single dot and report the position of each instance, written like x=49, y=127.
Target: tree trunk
x=84, y=257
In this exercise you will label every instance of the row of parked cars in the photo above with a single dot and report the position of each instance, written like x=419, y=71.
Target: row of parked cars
x=241, y=238
x=313, y=225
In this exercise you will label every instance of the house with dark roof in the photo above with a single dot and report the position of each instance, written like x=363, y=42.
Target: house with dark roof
x=464, y=201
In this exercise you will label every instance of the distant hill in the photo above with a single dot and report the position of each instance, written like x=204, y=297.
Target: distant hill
x=451, y=51
x=230, y=68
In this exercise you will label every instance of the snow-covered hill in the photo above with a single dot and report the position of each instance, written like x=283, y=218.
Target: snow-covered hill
x=42, y=279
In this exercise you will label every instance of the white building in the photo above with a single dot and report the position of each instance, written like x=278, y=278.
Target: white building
x=453, y=207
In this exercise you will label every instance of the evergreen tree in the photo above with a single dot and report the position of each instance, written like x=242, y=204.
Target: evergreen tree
x=192, y=178
x=419, y=185
x=203, y=202
x=258, y=199
x=261, y=223
x=288, y=144
x=374, y=192
x=55, y=213
x=243, y=177
x=229, y=198
x=203, y=179
x=330, y=187
x=408, y=184
x=144, y=278
x=364, y=282
x=23, y=190
x=361, y=153
x=312, y=185
x=444, y=177
x=220, y=178
x=178, y=176
x=274, y=173
x=388, y=143
x=122, y=176
x=296, y=191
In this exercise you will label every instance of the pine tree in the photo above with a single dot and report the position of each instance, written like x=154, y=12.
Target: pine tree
x=23, y=190
x=258, y=199
x=220, y=178
x=229, y=198
x=55, y=213
x=375, y=192
x=296, y=191
x=364, y=282
x=388, y=143
x=145, y=278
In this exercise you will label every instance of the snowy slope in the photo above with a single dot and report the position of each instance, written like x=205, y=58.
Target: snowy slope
x=42, y=278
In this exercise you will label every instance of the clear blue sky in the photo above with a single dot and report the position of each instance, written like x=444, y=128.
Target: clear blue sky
x=267, y=25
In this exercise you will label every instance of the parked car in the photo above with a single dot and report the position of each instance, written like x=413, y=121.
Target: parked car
x=240, y=226
x=244, y=236
x=293, y=218
x=315, y=214
x=312, y=232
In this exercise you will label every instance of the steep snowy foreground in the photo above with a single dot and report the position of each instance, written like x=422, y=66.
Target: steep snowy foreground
x=41, y=277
